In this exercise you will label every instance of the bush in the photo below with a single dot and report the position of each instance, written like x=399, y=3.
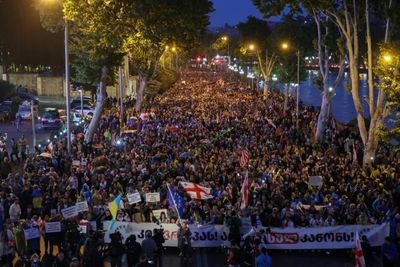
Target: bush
x=6, y=89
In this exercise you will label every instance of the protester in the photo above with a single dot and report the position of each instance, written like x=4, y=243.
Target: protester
x=134, y=250
x=149, y=247
x=389, y=253
x=184, y=240
x=263, y=260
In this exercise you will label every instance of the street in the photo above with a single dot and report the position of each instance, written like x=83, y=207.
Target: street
x=26, y=125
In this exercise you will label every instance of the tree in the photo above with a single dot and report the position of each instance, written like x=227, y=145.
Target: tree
x=98, y=44
x=347, y=15
x=387, y=68
x=327, y=47
x=256, y=32
x=183, y=23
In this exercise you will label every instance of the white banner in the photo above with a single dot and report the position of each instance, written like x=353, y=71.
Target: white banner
x=152, y=197
x=336, y=237
x=133, y=198
x=52, y=227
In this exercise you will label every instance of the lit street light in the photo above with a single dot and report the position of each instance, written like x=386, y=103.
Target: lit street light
x=387, y=58
x=285, y=46
x=66, y=80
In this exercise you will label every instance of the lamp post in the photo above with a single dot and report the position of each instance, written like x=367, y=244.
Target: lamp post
x=67, y=85
x=33, y=125
x=285, y=46
x=67, y=104
x=81, y=95
x=226, y=39
x=121, y=95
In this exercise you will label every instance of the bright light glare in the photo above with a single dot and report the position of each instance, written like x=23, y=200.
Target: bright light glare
x=387, y=58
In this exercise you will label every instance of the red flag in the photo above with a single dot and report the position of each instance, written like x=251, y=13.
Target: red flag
x=360, y=261
x=244, y=160
x=196, y=191
x=245, y=192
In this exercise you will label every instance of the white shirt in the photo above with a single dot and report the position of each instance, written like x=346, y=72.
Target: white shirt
x=15, y=212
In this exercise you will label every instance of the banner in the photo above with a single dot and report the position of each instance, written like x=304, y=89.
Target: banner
x=31, y=233
x=335, y=237
x=69, y=212
x=152, y=197
x=52, y=227
x=133, y=198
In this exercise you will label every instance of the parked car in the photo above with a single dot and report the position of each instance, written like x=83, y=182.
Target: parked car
x=75, y=116
x=51, y=119
x=25, y=111
x=77, y=102
x=87, y=110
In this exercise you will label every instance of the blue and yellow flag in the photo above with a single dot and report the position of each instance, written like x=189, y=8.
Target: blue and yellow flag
x=113, y=207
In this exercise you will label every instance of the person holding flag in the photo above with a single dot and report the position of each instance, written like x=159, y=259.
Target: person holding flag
x=113, y=206
x=360, y=261
x=175, y=201
x=244, y=192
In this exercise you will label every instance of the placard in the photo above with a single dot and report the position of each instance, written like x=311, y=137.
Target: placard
x=69, y=212
x=157, y=214
x=31, y=233
x=52, y=227
x=315, y=181
x=134, y=198
x=82, y=206
x=153, y=197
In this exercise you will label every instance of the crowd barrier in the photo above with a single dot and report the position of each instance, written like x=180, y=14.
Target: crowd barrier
x=334, y=237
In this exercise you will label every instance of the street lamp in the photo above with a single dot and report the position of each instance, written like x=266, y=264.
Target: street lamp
x=226, y=39
x=252, y=47
x=67, y=104
x=285, y=46
x=387, y=58
x=81, y=94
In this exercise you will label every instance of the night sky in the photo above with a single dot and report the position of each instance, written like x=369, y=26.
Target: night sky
x=232, y=12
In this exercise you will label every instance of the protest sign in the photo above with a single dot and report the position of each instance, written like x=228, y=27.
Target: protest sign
x=152, y=197
x=315, y=181
x=69, y=212
x=157, y=214
x=133, y=198
x=52, y=227
x=82, y=206
x=31, y=233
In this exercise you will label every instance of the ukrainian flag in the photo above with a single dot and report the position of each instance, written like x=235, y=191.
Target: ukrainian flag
x=113, y=207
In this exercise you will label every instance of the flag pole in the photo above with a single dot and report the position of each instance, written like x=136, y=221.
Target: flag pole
x=173, y=200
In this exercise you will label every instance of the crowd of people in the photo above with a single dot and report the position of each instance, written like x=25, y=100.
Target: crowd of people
x=178, y=138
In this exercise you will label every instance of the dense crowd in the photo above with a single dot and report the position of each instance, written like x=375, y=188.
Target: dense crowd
x=178, y=138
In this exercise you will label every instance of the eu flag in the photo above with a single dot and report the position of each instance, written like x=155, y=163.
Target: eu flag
x=175, y=200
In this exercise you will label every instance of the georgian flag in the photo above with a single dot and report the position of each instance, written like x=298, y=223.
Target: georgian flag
x=360, y=261
x=196, y=191
x=244, y=192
